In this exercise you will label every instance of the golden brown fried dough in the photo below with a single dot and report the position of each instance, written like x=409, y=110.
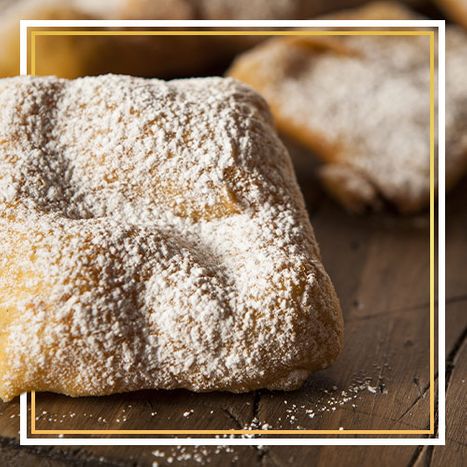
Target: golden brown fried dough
x=152, y=235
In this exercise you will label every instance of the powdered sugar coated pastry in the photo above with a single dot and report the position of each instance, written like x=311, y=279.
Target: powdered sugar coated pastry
x=152, y=235
x=362, y=104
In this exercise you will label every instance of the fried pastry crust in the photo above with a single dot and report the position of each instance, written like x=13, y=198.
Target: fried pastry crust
x=152, y=235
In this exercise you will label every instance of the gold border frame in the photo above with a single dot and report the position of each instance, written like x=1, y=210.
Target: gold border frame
x=372, y=32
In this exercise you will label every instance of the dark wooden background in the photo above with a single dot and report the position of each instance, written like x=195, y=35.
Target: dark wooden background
x=380, y=267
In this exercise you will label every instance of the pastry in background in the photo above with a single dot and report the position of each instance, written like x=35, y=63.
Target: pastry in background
x=137, y=9
x=69, y=56
x=382, y=9
x=361, y=104
x=159, y=56
x=187, y=56
x=456, y=87
x=455, y=9
x=150, y=56
x=153, y=235
x=72, y=56
x=335, y=97
x=206, y=9
x=456, y=105
x=218, y=9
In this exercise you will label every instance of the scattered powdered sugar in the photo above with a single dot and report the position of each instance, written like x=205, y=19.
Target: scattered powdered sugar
x=310, y=411
x=324, y=401
x=153, y=236
x=327, y=401
x=193, y=454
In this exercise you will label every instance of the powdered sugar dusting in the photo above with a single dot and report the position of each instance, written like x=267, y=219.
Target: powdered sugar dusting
x=362, y=103
x=153, y=236
x=365, y=100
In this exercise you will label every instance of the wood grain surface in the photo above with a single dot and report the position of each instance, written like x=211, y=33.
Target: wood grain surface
x=380, y=267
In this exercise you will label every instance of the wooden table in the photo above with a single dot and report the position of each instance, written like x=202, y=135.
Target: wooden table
x=380, y=267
